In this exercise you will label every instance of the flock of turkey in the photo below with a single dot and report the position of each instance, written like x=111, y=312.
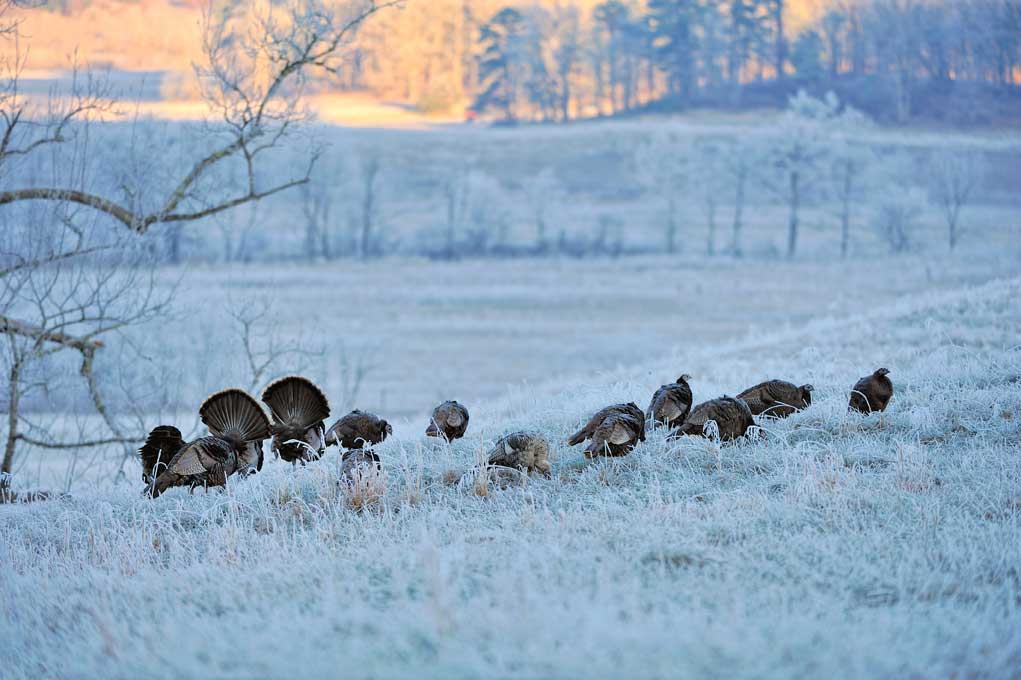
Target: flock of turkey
x=238, y=425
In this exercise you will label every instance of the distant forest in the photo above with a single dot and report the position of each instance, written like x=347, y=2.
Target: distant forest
x=954, y=61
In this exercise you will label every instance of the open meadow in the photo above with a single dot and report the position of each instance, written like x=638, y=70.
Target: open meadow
x=837, y=544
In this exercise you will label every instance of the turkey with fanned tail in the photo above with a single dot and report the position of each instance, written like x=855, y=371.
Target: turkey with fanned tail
x=299, y=409
x=237, y=425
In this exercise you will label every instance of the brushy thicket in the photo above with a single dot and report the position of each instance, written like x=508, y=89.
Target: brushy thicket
x=838, y=545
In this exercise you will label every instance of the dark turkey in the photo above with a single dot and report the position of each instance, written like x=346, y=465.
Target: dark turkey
x=449, y=421
x=613, y=431
x=237, y=425
x=358, y=429
x=777, y=398
x=871, y=393
x=671, y=403
x=298, y=408
x=732, y=416
x=525, y=451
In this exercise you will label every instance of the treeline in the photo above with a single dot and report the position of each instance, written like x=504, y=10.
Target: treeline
x=894, y=59
x=816, y=176
x=557, y=60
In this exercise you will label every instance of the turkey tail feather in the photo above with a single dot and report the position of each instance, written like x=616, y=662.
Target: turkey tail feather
x=160, y=446
x=296, y=402
x=236, y=415
x=578, y=437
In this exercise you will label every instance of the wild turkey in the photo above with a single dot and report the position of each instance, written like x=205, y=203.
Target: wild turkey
x=671, y=403
x=449, y=421
x=237, y=425
x=732, y=416
x=777, y=398
x=871, y=393
x=298, y=408
x=525, y=451
x=613, y=431
x=356, y=459
x=358, y=429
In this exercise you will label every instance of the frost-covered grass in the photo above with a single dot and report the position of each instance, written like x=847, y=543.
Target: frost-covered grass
x=839, y=545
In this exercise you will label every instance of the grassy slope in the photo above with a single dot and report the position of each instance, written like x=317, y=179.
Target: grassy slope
x=874, y=546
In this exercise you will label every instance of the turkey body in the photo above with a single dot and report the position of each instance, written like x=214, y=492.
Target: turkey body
x=525, y=451
x=871, y=393
x=358, y=429
x=298, y=409
x=449, y=421
x=671, y=403
x=732, y=417
x=612, y=431
x=776, y=398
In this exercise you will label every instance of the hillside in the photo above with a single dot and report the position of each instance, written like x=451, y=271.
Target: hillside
x=884, y=546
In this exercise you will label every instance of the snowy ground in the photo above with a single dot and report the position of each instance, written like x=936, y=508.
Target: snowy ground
x=881, y=546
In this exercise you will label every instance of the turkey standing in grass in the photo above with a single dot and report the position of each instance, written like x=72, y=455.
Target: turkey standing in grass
x=671, y=403
x=777, y=398
x=449, y=421
x=613, y=431
x=237, y=425
x=732, y=417
x=358, y=429
x=871, y=393
x=298, y=408
x=525, y=451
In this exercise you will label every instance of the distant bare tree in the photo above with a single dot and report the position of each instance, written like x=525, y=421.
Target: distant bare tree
x=543, y=190
x=316, y=205
x=955, y=174
x=368, y=212
x=737, y=162
x=798, y=148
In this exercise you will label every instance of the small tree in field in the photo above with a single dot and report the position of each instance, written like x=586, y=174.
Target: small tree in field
x=954, y=175
x=851, y=157
x=897, y=207
x=737, y=161
x=544, y=190
x=708, y=184
x=798, y=147
x=664, y=170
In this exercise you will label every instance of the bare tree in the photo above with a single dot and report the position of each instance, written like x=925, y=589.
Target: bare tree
x=316, y=208
x=543, y=190
x=955, y=174
x=66, y=272
x=797, y=149
x=851, y=158
x=263, y=347
x=368, y=213
x=737, y=161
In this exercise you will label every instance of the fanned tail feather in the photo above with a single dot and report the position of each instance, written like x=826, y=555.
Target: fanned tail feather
x=235, y=415
x=296, y=402
x=160, y=446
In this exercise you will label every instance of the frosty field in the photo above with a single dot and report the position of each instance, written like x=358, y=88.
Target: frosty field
x=880, y=546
